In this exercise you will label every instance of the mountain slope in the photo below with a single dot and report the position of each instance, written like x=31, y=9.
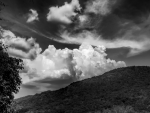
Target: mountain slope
x=128, y=86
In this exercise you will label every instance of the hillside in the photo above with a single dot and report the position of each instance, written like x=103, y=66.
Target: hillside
x=129, y=86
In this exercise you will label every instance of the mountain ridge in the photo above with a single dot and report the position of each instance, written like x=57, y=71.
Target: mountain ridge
x=122, y=86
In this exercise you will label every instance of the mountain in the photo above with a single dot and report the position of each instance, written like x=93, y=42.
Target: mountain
x=124, y=89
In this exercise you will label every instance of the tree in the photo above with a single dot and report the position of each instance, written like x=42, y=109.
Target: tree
x=10, y=80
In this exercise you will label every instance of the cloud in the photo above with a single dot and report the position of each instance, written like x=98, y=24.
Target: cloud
x=63, y=65
x=89, y=61
x=28, y=86
x=102, y=7
x=20, y=47
x=106, y=27
x=137, y=43
x=64, y=13
x=32, y=16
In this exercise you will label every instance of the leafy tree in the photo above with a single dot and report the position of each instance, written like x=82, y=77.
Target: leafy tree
x=10, y=80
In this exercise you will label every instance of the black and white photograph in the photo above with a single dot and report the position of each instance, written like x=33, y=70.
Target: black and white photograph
x=74, y=56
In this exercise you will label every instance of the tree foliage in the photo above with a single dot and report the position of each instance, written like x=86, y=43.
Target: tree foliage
x=120, y=109
x=10, y=80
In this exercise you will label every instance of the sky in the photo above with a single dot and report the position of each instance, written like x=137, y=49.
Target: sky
x=63, y=41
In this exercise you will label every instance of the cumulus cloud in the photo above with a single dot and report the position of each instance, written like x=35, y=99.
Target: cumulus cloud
x=32, y=16
x=64, y=13
x=77, y=64
x=89, y=61
x=102, y=7
x=20, y=47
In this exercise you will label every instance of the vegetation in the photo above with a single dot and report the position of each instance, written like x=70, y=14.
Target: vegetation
x=9, y=79
x=117, y=90
x=120, y=109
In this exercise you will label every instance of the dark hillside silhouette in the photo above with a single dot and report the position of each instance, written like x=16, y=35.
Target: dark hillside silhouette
x=126, y=88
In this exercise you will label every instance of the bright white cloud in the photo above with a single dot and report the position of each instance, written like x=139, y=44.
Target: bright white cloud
x=83, y=18
x=102, y=7
x=129, y=41
x=19, y=47
x=61, y=64
x=32, y=16
x=79, y=64
x=63, y=13
x=89, y=61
